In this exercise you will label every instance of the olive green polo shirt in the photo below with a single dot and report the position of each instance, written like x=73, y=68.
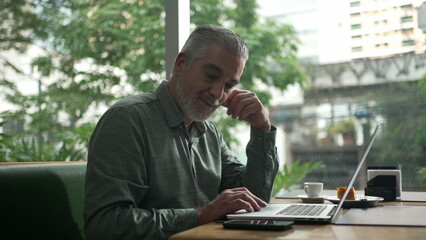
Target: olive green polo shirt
x=146, y=174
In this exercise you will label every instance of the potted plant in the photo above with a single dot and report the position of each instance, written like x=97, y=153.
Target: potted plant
x=347, y=129
x=291, y=175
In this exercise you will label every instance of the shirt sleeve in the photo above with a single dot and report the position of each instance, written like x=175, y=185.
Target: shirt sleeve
x=116, y=182
x=262, y=165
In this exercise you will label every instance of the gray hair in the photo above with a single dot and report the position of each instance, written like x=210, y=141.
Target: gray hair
x=203, y=36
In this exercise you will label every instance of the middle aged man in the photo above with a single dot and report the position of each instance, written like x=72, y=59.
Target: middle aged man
x=157, y=166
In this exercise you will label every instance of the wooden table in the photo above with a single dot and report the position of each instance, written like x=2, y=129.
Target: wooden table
x=308, y=231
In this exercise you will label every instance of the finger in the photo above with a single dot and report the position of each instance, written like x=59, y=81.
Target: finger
x=239, y=204
x=240, y=190
x=252, y=201
x=230, y=97
x=245, y=190
x=233, y=197
x=238, y=99
x=257, y=199
x=250, y=108
x=249, y=197
x=230, y=201
x=241, y=106
x=245, y=108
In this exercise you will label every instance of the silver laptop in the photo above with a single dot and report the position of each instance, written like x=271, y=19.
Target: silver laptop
x=305, y=212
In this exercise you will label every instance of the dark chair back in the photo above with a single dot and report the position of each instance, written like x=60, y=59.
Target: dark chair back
x=42, y=201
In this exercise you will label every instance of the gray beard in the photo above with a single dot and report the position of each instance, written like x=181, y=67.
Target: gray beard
x=187, y=105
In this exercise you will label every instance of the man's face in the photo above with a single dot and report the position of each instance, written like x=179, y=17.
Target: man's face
x=207, y=83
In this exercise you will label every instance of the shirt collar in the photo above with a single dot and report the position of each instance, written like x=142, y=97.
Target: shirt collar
x=169, y=106
x=201, y=126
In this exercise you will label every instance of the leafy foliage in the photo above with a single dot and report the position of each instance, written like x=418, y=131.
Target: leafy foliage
x=420, y=138
x=288, y=177
x=93, y=52
x=402, y=141
x=19, y=25
x=422, y=173
x=28, y=147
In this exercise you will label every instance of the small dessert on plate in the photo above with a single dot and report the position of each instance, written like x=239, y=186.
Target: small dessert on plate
x=352, y=200
x=351, y=194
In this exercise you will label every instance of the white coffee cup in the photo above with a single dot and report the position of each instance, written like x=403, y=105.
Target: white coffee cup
x=313, y=189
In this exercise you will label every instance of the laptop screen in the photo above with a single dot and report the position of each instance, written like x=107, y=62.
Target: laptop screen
x=354, y=176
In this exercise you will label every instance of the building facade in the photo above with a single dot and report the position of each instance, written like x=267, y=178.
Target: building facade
x=383, y=28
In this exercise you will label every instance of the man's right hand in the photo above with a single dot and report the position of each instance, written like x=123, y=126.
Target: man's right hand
x=229, y=201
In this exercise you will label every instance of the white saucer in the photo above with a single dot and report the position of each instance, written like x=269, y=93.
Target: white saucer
x=361, y=201
x=306, y=199
x=306, y=196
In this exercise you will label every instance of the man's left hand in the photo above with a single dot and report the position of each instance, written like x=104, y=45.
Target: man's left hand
x=245, y=105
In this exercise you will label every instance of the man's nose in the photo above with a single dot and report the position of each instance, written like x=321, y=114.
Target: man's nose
x=217, y=90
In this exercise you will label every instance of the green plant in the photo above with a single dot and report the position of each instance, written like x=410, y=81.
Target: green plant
x=346, y=126
x=5, y=139
x=422, y=173
x=288, y=177
x=67, y=145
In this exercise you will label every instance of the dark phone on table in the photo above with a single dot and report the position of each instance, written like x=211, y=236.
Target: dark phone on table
x=258, y=224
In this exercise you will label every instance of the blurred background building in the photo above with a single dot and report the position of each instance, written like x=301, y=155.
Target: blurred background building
x=350, y=49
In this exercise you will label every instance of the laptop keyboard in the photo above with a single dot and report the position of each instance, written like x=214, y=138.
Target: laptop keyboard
x=306, y=210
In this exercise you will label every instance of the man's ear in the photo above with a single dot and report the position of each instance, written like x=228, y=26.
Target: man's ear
x=180, y=62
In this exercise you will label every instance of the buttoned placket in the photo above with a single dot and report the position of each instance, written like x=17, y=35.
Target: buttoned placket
x=191, y=138
x=188, y=148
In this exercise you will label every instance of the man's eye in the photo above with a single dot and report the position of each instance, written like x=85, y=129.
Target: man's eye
x=229, y=86
x=211, y=76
